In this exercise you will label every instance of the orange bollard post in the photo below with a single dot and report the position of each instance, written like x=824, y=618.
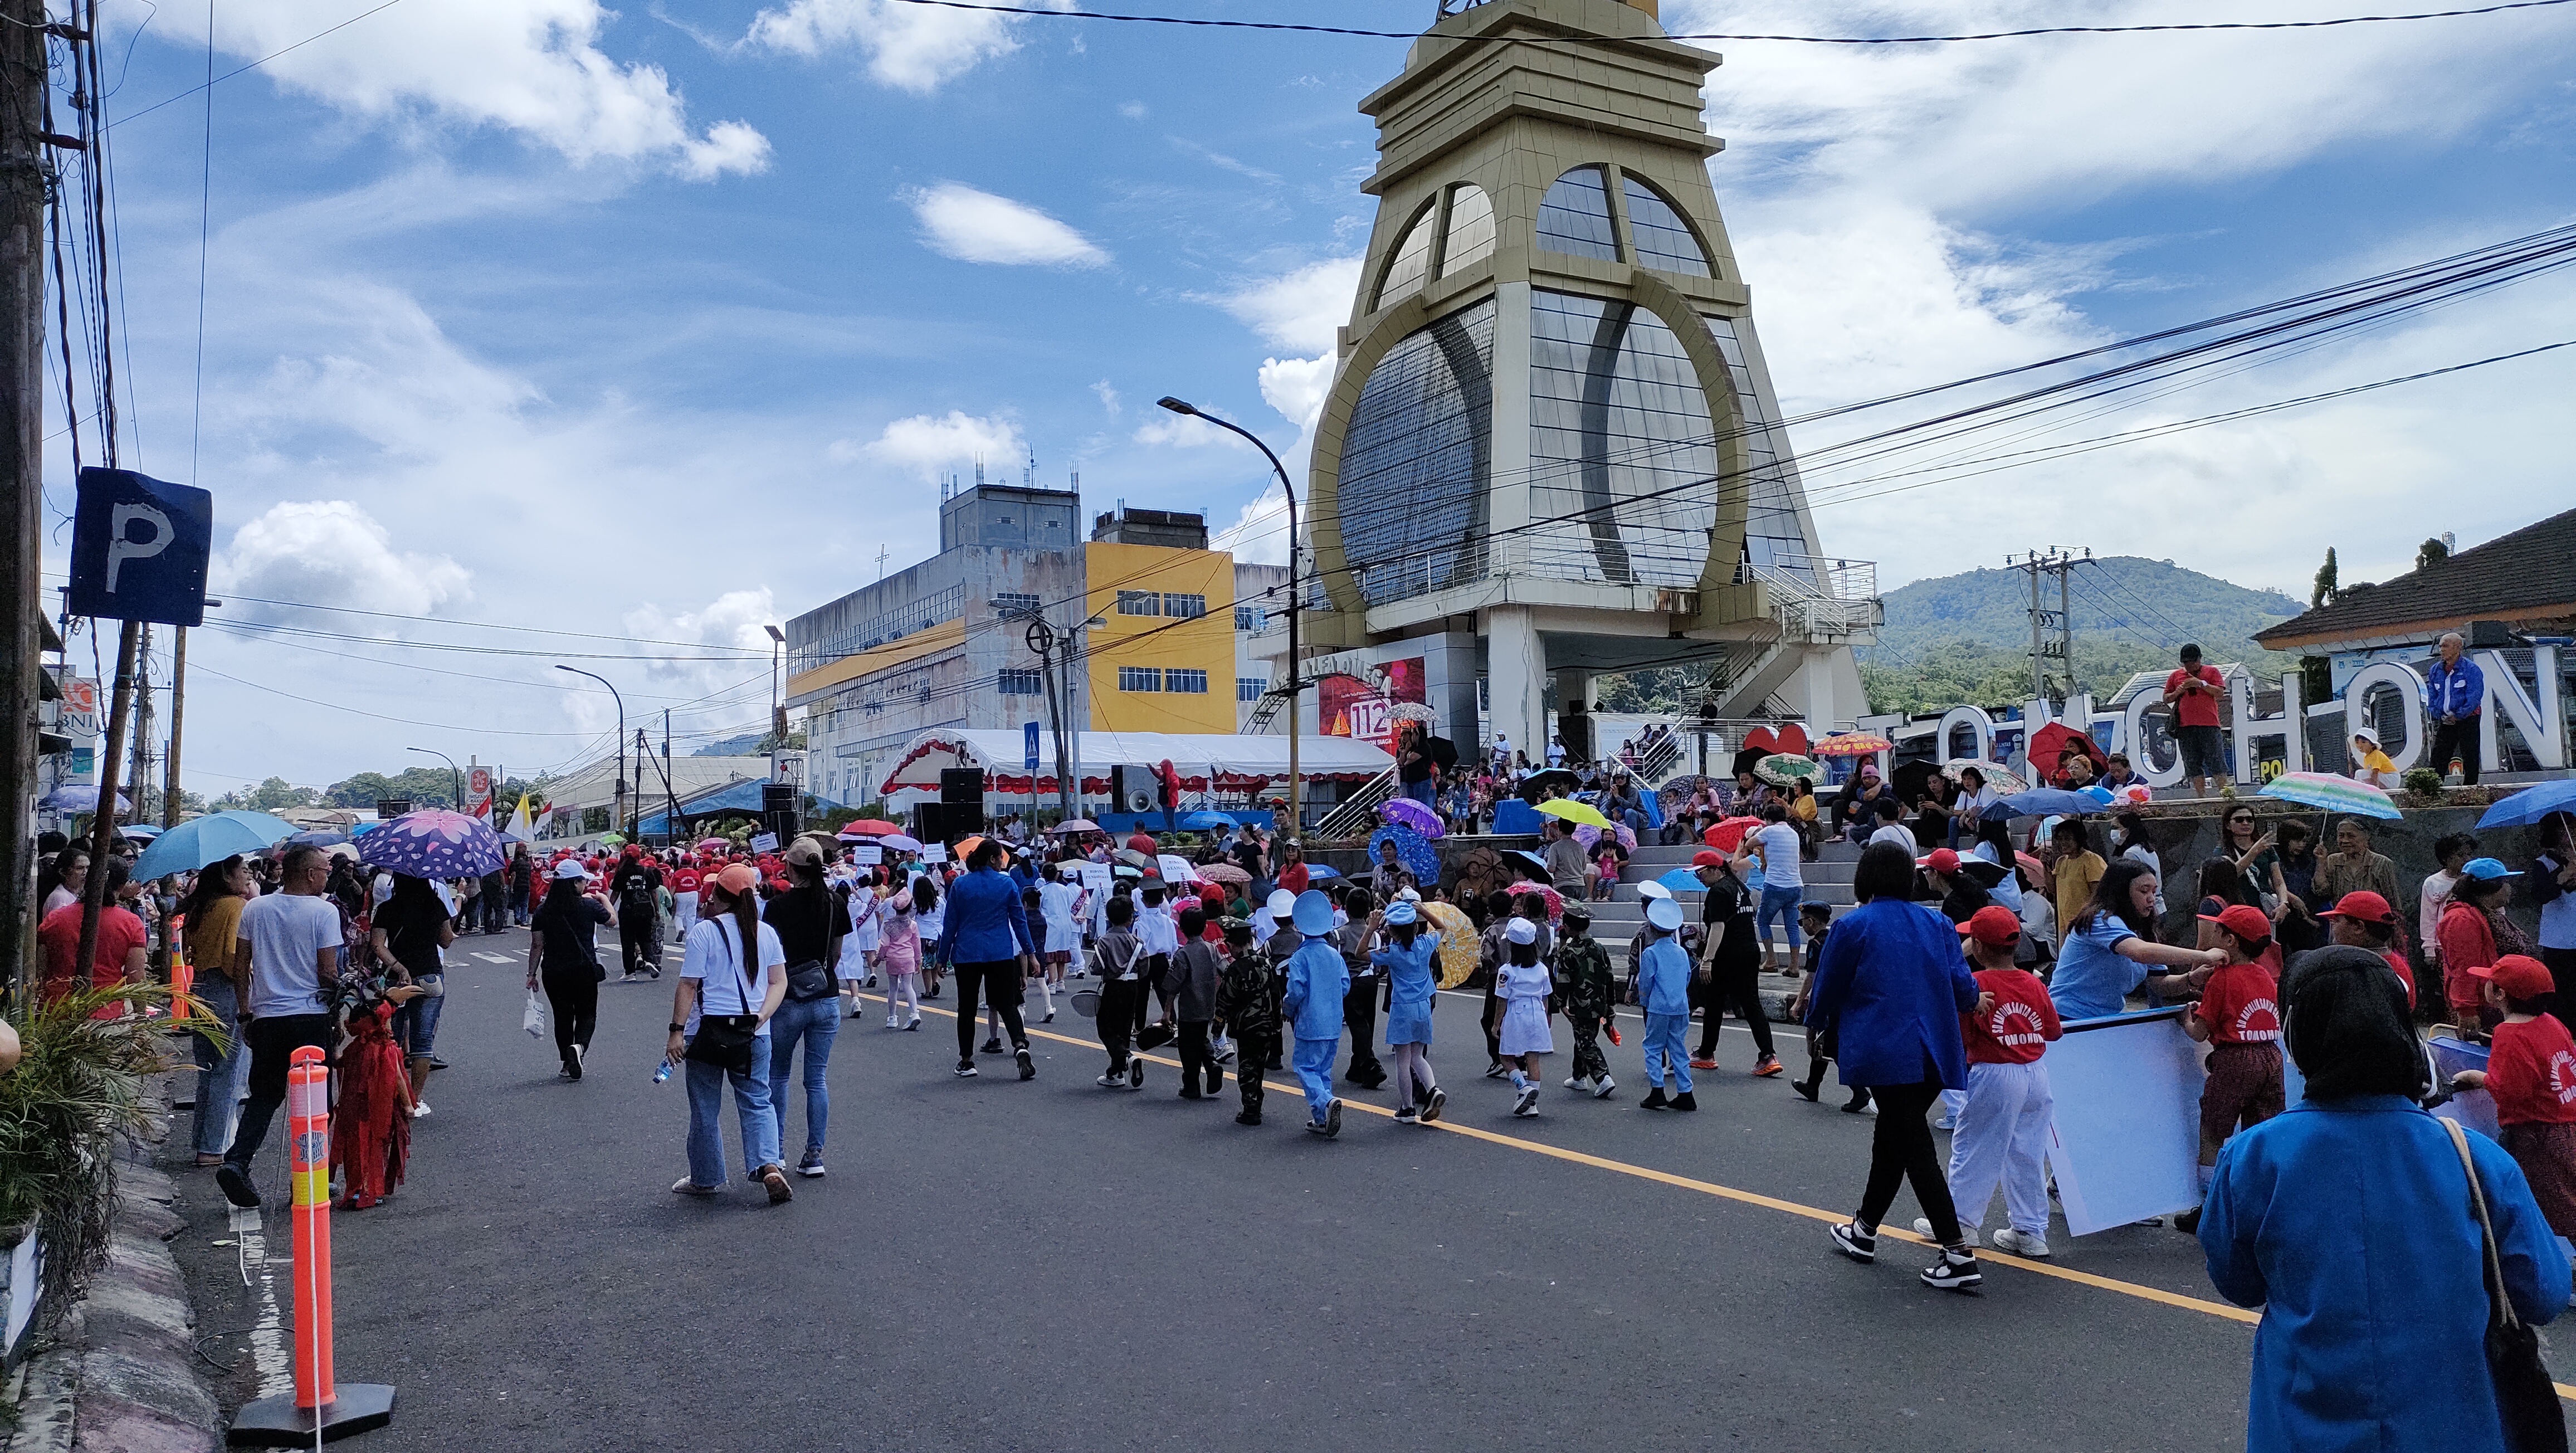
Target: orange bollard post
x=318, y=1404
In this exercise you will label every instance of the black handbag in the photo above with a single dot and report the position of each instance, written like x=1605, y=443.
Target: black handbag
x=811, y=980
x=2526, y=1396
x=724, y=1040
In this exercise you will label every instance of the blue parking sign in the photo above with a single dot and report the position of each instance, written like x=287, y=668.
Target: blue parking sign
x=140, y=547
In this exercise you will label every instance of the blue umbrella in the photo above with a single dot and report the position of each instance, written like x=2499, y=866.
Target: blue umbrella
x=1317, y=873
x=434, y=843
x=2050, y=802
x=1683, y=880
x=1412, y=850
x=1530, y=857
x=1207, y=822
x=209, y=839
x=318, y=838
x=140, y=831
x=2532, y=804
x=83, y=797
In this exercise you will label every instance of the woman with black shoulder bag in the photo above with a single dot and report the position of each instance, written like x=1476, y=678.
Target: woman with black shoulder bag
x=563, y=958
x=807, y=919
x=733, y=977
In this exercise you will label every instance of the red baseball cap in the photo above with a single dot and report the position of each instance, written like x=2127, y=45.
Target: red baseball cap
x=2362, y=904
x=1941, y=860
x=2243, y=921
x=2520, y=976
x=1707, y=858
x=1993, y=924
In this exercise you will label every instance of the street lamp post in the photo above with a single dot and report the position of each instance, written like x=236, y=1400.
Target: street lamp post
x=620, y=810
x=451, y=767
x=777, y=708
x=1296, y=687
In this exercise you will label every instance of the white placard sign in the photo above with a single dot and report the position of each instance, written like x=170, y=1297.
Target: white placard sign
x=765, y=843
x=1096, y=879
x=934, y=852
x=868, y=856
x=2125, y=1141
x=1175, y=868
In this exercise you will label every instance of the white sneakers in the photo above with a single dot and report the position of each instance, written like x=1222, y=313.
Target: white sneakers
x=2021, y=1243
x=1923, y=1227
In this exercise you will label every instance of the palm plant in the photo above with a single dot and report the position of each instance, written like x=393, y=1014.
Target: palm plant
x=80, y=1086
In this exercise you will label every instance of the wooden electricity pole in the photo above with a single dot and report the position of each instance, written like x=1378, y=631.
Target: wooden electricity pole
x=22, y=380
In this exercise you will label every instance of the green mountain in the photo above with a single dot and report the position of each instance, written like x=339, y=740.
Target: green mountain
x=1966, y=638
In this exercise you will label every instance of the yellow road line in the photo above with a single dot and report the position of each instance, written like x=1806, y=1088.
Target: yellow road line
x=1730, y=1193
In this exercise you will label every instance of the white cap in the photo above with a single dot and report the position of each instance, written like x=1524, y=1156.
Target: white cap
x=1407, y=895
x=1282, y=903
x=571, y=868
x=1650, y=890
x=1521, y=930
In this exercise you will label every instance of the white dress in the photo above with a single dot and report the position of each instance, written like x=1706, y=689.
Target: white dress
x=1055, y=905
x=1524, y=994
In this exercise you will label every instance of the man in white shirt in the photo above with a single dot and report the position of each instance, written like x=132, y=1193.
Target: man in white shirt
x=292, y=941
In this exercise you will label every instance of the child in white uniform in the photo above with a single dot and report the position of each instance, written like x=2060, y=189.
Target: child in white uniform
x=1522, y=983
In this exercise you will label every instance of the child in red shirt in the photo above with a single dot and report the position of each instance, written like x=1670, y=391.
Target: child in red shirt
x=2363, y=919
x=2531, y=1072
x=2239, y=1018
x=2002, y=1131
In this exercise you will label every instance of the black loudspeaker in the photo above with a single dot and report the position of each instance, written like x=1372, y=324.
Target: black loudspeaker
x=778, y=809
x=962, y=819
x=962, y=784
x=930, y=822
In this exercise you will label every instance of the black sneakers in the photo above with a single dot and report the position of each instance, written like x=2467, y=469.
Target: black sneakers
x=1028, y=1066
x=1956, y=1271
x=966, y=1069
x=234, y=1182
x=1852, y=1241
x=1654, y=1100
x=1432, y=1107
x=1136, y=1072
x=1683, y=1101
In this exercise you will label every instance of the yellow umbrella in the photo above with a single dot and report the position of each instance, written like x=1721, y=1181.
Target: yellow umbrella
x=1573, y=811
x=1458, y=947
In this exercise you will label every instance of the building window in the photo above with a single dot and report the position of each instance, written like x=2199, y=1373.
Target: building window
x=1574, y=217
x=1147, y=678
x=1013, y=602
x=1192, y=683
x=1412, y=262
x=1184, y=607
x=1663, y=239
x=1247, y=618
x=1620, y=441
x=1023, y=683
x=1416, y=460
x=1250, y=688
x=1471, y=230
x=1140, y=603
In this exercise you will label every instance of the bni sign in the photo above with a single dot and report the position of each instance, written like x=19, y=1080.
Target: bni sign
x=139, y=548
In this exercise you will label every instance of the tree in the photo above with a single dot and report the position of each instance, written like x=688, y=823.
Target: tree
x=2324, y=593
x=2431, y=553
x=277, y=792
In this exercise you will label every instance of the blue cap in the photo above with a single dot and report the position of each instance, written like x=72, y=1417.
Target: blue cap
x=1665, y=914
x=2485, y=870
x=1314, y=914
x=1399, y=912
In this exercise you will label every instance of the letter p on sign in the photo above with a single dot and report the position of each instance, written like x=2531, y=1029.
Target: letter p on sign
x=140, y=548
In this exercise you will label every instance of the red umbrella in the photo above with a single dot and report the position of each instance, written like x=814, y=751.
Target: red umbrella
x=2048, y=747
x=870, y=827
x=1728, y=835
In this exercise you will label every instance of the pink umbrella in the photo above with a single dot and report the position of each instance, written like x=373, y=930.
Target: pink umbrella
x=1405, y=812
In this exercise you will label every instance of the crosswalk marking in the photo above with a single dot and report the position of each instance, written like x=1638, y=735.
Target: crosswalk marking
x=495, y=958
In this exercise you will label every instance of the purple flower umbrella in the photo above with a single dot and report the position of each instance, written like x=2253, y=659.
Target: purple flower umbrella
x=433, y=843
x=1405, y=812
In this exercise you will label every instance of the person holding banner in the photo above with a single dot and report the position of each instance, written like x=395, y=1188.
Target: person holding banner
x=2531, y=1072
x=2109, y=948
x=2347, y=1220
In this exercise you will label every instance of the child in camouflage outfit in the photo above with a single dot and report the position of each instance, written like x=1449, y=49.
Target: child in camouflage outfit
x=1583, y=978
x=1247, y=1005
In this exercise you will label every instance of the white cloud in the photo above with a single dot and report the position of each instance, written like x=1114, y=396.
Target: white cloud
x=1132, y=110
x=530, y=66
x=1259, y=534
x=913, y=48
x=1301, y=310
x=1296, y=387
x=1108, y=397
x=1184, y=431
x=330, y=552
x=960, y=222
x=736, y=620
x=931, y=448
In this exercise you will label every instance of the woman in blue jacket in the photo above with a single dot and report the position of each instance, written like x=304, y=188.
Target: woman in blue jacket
x=992, y=949
x=2348, y=1221
x=1891, y=989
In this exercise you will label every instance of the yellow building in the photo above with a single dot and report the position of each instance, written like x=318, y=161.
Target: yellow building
x=1163, y=657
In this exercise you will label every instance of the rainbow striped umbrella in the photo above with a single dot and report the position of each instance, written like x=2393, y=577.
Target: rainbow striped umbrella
x=2330, y=793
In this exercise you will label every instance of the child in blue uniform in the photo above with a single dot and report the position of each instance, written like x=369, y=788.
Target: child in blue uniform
x=1663, y=986
x=1406, y=962
x=1317, y=981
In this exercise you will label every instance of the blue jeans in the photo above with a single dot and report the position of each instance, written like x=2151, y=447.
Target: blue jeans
x=1426, y=792
x=1313, y=1061
x=817, y=1023
x=219, y=1076
x=1665, y=1034
x=1784, y=902
x=750, y=1102
x=415, y=1025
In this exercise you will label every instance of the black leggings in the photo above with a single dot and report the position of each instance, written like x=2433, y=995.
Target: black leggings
x=574, y=993
x=1737, y=987
x=1900, y=1149
x=1000, y=981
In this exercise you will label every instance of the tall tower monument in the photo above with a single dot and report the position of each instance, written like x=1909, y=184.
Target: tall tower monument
x=1551, y=447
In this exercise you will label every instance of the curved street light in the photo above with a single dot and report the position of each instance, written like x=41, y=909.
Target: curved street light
x=1296, y=687
x=620, y=811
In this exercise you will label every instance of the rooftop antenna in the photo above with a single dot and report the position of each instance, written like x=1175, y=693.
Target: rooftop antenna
x=1076, y=486
x=1029, y=471
x=979, y=473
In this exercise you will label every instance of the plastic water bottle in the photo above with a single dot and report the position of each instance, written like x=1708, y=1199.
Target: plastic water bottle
x=662, y=1071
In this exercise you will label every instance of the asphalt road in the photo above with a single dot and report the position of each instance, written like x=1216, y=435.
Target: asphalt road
x=1050, y=1265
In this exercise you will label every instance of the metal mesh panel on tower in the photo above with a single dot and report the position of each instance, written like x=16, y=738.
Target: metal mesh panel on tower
x=1416, y=460
x=1621, y=448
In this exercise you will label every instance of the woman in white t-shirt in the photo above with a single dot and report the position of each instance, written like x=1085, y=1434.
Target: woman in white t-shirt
x=720, y=981
x=1776, y=843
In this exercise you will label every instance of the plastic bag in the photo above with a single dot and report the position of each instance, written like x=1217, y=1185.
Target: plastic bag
x=534, y=1019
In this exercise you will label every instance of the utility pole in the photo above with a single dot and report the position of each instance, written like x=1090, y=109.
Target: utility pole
x=178, y=716
x=670, y=794
x=2043, y=622
x=102, y=820
x=1042, y=640
x=22, y=379
x=141, y=775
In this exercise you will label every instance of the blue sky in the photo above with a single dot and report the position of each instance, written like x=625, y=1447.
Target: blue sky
x=661, y=323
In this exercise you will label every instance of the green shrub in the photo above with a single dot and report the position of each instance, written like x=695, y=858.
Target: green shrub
x=2424, y=782
x=80, y=1085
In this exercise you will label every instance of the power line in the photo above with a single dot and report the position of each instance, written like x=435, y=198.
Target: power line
x=2040, y=30
x=343, y=25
